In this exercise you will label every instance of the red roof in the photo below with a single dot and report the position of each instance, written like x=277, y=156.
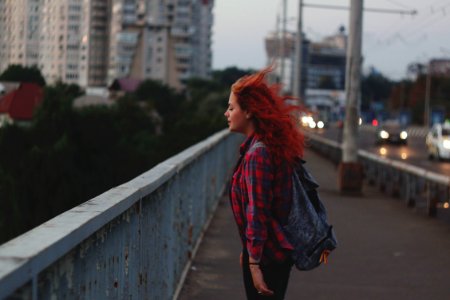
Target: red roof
x=126, y=84
x=21, y=103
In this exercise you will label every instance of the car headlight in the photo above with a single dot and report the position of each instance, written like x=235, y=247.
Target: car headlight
x=305, y=120
x=403, y=135
x=384, y=134
x=312, y=124
x=446, y=144
x=320, y=124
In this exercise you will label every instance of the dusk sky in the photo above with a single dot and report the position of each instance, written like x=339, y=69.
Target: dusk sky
x=390, y=41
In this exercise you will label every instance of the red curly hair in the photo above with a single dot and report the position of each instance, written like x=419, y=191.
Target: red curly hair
x=275, y=124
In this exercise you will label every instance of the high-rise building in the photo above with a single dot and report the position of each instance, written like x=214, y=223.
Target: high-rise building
x=19, y=21
x=93, y=42
x=66, y=39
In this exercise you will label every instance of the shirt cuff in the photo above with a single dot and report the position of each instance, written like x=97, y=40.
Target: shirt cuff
x=255, y=250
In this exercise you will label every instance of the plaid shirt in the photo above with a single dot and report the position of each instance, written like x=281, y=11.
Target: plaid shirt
x=261, y=197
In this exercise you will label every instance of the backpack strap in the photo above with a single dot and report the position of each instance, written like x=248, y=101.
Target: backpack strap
x=308, y=181
x=257, y=144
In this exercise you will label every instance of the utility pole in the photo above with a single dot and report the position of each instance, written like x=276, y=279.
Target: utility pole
x=426, y=117
x=297, y=86
x=350, y=170
x=283, y=40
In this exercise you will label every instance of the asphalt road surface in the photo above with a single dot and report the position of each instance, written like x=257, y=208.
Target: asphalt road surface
x=414, y=153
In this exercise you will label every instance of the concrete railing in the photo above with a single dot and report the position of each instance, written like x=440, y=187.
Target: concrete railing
x=416, y=186
x=134, y=241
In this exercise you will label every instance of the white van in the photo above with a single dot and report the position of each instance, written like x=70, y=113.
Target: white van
x=438, y=141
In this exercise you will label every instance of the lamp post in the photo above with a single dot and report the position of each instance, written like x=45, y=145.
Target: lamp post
x=297, y=87
x=350, y=170
x=426, y=116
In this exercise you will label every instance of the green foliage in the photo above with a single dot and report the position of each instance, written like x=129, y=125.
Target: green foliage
x=69, y=156
x=23, y=74
x=229, y=75
x=161, y=98
x=411, y=95
x=375, y=88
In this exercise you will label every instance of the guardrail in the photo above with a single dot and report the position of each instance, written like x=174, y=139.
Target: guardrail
x=416, y=186
x=134, y=241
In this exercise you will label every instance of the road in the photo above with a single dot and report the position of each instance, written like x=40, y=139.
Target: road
x=414, y=153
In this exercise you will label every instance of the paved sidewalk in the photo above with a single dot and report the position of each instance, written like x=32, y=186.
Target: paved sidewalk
x=386, y=251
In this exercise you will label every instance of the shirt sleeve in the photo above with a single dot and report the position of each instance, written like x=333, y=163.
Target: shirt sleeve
x=259, y=178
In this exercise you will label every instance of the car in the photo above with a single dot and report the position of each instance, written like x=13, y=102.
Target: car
x=438, y=141
x=312, y=123
x=391, y=132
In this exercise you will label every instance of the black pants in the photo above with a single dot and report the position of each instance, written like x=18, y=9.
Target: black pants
x=276, y=276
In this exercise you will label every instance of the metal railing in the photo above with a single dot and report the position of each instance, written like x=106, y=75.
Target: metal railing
x=416, y=186
x=134, y=241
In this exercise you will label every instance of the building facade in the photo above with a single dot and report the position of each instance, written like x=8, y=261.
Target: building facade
x=326, y=62
x=281, y=53
x=323, y=62
x=439, y=67
x=323, y=70
x=93, y=42
x=19, y=21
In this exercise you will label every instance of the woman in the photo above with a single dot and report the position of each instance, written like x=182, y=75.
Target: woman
x=261, y=184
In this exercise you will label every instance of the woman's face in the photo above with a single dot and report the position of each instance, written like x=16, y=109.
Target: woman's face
x=238, y=120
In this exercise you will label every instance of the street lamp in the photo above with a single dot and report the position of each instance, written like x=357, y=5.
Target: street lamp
x=426, y=117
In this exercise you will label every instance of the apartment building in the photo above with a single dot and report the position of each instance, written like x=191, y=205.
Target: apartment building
x=93, y=42
x=166, y=40
x=65, y=39
x=19, y=21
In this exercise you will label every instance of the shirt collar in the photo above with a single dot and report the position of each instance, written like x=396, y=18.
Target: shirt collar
x=246, y=144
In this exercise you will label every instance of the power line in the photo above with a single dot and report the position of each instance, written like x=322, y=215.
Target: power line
x=435, y=16
x=422, y=18
x=398, y=4
x=426, y=25
x=426, y=21
x=376, y=10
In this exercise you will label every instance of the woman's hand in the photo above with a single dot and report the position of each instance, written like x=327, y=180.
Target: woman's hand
x=258, y=281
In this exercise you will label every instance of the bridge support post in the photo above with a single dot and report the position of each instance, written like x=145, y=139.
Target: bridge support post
x=350, y=177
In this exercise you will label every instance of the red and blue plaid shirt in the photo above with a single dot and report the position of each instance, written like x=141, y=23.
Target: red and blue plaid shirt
x=261, y=197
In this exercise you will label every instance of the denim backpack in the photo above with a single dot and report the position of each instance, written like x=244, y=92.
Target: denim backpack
x=307, y=228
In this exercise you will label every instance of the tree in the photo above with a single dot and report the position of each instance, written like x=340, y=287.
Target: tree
x=375, y=88
x=68, y=156
x=229, y=75
x=399, y=97
x=161, y=98
x=23, y=74
x=416, y=69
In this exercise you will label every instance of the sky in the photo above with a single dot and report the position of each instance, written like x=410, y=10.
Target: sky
x=390, y=41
